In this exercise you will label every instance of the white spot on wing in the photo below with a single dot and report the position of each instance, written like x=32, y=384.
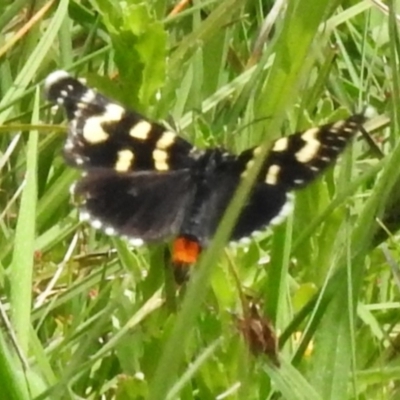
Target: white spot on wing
x=272, y=174
x=93, y=130
x=311, y=146
x=84, y=216
x=285, y=210
x=166, y=140
x=88, y=97
x=160, y=160
x=55, y=77
x=136, y=242
x=110, y=231
x=114, y=112
x=280, y=145
x=283, y=213
x=96, y=223
x=55, y=107
x=160, y=155
x=337, y=125
x=124, y=161
x=141, y=130
x=245, y=241
x=72, y=188
x=69, y=145
x=334, y=148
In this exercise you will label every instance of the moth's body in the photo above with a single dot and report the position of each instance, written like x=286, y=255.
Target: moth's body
x=147, y=184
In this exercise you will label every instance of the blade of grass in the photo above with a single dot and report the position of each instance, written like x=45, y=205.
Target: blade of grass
x=13, y=382
x=291, y=383
x=22, y=261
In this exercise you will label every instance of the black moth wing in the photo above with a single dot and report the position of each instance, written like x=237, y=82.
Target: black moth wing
x=267, y=205
x=103, y=134
x=292, y=163
x=296, y=160
x=215, y=191
x=140, y=206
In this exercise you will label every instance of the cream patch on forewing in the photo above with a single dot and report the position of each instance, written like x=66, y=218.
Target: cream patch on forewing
x=337, y=125
x=141, y=130
x=88, y=97
x=351, y=128
x=343, y=126
x=311, y=146
x=280, y=145
x=114, y=112
x=93, y=131
x=124, y=161
x=325, y=159
x=272, y=174
x=160, y=158
x=166, y=140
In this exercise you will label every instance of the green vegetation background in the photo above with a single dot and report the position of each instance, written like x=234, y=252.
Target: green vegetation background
x=85, y=316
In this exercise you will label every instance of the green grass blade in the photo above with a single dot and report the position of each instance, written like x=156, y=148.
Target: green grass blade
x=22, y=261
x=12, y=379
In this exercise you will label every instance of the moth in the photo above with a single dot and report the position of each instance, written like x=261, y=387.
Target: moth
x=147, y=184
